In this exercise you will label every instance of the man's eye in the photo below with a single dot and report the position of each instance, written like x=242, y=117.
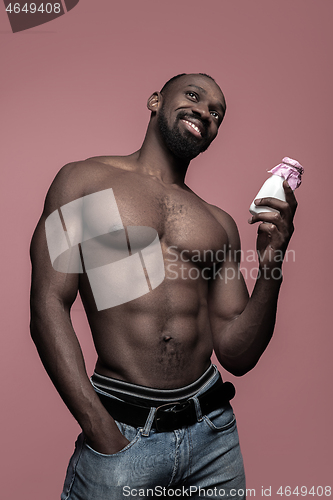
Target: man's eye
x=214, y=114
x=193, y=95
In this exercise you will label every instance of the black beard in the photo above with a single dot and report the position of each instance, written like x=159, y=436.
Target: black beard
x=183, y=145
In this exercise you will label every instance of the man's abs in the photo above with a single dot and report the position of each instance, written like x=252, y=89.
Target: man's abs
x=160, y=340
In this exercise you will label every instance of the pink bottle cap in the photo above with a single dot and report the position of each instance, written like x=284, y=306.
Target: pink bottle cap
x=291, y=170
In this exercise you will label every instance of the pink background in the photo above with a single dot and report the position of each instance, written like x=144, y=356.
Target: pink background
x=77, y=87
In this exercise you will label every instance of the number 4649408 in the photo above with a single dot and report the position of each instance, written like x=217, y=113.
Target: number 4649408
x=32, y=8
x=303, y=491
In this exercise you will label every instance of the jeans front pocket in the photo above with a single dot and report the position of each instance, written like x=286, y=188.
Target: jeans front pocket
x=221, y=419
x=98, y=476
x=131, y=433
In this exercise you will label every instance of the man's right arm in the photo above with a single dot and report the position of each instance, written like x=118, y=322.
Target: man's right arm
x=52, y=295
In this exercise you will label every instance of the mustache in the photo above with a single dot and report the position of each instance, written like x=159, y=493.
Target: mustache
x=183, y=115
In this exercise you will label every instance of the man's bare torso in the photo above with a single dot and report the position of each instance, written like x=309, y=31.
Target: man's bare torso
x=163, y=338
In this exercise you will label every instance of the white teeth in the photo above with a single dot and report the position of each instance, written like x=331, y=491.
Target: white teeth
x=193, y=126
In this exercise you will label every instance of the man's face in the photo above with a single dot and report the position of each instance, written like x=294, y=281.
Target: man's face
x=191, y=113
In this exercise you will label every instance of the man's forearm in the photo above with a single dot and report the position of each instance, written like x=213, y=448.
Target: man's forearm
x=245, y=338
x=60, y=352
x=61, y=355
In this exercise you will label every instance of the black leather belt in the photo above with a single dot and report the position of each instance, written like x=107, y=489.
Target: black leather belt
x=169, y=416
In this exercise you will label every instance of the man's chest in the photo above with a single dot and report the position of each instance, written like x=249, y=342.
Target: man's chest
x=181, y=220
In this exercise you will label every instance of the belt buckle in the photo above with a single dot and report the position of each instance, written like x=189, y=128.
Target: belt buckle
x=171, y=408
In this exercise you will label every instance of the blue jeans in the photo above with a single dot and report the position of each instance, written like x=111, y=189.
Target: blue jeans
x=200, y=461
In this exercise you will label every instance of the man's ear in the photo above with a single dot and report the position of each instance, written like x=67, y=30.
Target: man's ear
x=154, y=101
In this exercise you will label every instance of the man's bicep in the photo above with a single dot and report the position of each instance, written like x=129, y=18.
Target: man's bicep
x=48, y=282
x=56, y=262
x=228, y=293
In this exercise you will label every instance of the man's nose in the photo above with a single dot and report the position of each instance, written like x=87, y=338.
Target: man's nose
x=201, y=110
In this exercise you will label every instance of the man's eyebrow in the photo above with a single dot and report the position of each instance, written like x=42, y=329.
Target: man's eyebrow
x=198, y=88
x=218, y=104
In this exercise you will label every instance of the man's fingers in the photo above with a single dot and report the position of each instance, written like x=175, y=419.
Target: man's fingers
x=267, y=228
x=267, y=217
x=271, y=202
x=290, y=196
x=282, y=206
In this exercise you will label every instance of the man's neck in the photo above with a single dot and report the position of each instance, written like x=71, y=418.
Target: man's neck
x=155, y=159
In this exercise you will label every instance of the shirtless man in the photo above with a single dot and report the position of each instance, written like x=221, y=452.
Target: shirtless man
x=157, y=347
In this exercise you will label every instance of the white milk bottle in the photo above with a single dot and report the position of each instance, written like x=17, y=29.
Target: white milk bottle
x=289, y=170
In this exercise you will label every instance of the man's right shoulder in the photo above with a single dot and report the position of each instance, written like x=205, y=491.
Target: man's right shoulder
x=77, y=179
x=67, y=185
x=78, y=173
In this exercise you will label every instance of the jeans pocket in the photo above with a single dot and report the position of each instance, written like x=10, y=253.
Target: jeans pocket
x=130, y=433
x=221, y=419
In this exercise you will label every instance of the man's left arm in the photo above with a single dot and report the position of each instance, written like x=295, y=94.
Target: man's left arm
x=242, y=326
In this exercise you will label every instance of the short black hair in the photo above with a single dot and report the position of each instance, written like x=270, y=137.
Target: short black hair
x=169, y=82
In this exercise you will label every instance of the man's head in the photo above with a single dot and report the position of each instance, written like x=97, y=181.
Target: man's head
x=189, y=110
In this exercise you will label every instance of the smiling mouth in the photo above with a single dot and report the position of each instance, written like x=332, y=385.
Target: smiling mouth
x=192, y=127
